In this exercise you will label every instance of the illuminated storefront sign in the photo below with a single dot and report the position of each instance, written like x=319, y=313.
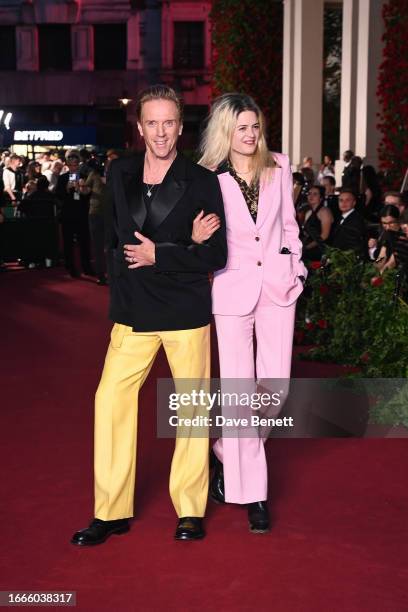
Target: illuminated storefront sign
x=38, y=135
x=61, y=135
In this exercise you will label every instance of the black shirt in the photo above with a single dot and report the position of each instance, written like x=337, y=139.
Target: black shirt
x=150, y=189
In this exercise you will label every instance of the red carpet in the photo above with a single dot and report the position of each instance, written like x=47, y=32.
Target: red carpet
x=340, y=507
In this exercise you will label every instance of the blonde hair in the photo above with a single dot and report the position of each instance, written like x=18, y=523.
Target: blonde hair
x=216, y=140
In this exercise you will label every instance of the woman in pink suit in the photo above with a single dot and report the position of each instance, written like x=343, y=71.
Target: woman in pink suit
x=258, y=289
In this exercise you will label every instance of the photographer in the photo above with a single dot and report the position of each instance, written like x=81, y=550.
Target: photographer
x=74, y=202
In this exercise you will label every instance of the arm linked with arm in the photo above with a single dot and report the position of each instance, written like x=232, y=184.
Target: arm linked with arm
x=205, y=257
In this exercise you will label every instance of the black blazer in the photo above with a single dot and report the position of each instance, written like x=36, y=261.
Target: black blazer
x=175, y=293
x=351, y=235
x=70, y=208
x=351, y=178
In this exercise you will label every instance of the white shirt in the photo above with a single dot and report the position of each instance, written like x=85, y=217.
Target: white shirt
x=9, y=179
x=346, y=214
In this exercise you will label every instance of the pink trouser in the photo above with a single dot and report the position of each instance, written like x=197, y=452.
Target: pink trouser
x=245, y=468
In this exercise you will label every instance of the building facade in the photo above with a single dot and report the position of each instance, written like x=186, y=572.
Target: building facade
x=66, y=64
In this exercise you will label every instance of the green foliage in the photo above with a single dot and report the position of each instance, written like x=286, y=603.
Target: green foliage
x=353, y=321
x=248, y=41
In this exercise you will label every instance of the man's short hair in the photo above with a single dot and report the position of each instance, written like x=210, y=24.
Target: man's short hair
x=348, y=190
x=158, y=92
x=72, y=154
x=394, y=194
x=14, y=156
x=331, y=179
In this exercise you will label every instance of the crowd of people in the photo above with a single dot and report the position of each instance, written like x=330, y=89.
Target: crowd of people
x=68, y=188
x=358, y=215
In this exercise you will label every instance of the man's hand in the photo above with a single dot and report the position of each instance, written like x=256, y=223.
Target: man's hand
x=139, y=255
x=204, y=227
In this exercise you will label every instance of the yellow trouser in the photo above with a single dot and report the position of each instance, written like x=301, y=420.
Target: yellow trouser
x=128, y=361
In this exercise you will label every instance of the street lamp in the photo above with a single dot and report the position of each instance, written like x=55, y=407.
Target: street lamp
x=125, y=100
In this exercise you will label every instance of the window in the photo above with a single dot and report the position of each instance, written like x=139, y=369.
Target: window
x=110, y=46
x=55, y=47
x=8, y=48
x=188, y=44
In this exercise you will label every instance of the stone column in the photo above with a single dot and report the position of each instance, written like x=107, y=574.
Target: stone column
x=302, y=79
x=361, y=56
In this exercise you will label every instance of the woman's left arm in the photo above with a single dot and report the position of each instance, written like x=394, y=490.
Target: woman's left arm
x=290, y=226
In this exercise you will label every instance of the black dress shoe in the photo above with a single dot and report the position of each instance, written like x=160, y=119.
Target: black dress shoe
x=258, y=517
x=190, y=528
x=216, y=489
x=99, y=531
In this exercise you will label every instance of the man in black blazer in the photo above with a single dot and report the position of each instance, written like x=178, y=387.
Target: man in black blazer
x=350, y=233
x=160, y=296
x=74, y=207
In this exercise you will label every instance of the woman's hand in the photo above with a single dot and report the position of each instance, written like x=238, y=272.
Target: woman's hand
x=204, y=226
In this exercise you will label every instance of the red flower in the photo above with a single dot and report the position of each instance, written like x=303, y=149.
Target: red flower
x=323, y=289
x=365, y=357
x=310, y=325
x=322, y=323
x=315, y=265
x=377, y=281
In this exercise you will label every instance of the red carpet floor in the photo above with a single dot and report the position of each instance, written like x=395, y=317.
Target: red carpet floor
x=340, y=506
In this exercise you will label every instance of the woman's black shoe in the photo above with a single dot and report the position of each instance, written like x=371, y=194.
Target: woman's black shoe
x=99, y=531
x=258, y=517
x=217, y=480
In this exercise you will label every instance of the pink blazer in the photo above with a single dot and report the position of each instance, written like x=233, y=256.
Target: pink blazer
x=254, y=258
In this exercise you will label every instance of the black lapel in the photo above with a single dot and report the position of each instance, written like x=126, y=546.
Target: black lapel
x=346, y=221
x=169, y=193
x=133, y=188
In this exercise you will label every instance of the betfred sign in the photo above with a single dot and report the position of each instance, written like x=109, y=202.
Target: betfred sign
x=38, y=135
x=58, y=135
